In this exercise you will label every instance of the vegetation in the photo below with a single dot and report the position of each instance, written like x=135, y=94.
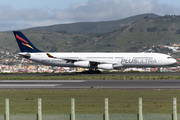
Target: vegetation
x=137, y=36
x=93, y=27
x=89, y=101
x=90, y=77
x=93, y=77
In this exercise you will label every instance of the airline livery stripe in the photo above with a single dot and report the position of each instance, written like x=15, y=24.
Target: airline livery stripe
x=27, y=45
x=21, y=39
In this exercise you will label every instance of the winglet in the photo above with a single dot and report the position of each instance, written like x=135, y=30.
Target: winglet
x=49, y=55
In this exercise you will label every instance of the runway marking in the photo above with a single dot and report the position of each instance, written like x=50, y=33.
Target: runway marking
x=29, y=85
x=42, y=81
x=85, y=84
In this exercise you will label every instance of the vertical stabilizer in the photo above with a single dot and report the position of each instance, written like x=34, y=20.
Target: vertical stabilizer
x=24, y=44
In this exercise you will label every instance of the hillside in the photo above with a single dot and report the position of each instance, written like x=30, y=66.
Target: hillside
x=144, y=33
x=93, y=27
x=139, y=36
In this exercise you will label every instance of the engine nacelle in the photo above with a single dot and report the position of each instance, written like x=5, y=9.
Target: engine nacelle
x=84, y=64
x=105, y=66
x=116, y=66
x=109, y=66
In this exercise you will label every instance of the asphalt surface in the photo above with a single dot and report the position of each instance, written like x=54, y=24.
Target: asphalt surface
x=89, y=84
x=83, y=74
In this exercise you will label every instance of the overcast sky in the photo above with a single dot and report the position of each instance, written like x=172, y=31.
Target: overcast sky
x=20, y=14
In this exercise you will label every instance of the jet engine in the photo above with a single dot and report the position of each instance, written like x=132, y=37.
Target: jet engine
x=109, y=66
x=84, y=64
x=105, y=66
x=116, y=66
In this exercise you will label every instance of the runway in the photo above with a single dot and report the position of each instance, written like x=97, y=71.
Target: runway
x=89, y=84
x=83, y=74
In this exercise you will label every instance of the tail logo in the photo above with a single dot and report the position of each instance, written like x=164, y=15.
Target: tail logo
x=24, y=42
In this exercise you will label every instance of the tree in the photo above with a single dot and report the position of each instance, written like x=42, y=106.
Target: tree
x=131, y=29
x=54, y=49
x=153, y=29
x=146, y=17
x=177, y=32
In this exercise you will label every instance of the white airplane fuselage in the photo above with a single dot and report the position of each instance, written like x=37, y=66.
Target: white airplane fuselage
x=103, y=60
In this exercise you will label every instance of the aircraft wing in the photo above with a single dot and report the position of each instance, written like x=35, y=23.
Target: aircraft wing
x=72, y=59
x=64, y=58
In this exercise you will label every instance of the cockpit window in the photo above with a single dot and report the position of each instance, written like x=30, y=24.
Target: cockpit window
x=169, y=57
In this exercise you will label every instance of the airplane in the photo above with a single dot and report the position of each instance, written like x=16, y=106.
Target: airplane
x=94, y=61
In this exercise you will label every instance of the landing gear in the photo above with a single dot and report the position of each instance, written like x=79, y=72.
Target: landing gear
x=92, y=72
x=159, y=70
x=95, y=71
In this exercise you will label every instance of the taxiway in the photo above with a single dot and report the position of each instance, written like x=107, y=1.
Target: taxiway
x=89, y=84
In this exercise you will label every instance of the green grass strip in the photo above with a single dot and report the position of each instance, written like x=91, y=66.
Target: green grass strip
x=89, y=101
x=94, y=77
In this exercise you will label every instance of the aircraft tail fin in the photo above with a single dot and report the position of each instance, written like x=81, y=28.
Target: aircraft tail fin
x=24, y=44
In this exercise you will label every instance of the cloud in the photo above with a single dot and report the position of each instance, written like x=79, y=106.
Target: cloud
x=8, y=13
x=93, y=10
x=102, y=10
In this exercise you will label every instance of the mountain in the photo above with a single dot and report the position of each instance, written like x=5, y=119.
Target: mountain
x=93, y=27
x=139, y=36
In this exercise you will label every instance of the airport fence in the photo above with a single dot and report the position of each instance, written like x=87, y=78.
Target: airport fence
x=106, y=116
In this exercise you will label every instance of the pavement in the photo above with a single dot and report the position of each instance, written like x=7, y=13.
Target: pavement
x=89, y=84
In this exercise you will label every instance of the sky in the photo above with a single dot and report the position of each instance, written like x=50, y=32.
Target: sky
x=21, y=14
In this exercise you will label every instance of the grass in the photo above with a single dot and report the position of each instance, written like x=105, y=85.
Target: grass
x=89, y=101
x=93, y=77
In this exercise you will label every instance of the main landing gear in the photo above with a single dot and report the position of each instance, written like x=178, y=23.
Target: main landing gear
x=92, y=72
x=159, y=70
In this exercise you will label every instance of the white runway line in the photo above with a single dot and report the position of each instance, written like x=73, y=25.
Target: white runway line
x=28, y=85
x=42, y=81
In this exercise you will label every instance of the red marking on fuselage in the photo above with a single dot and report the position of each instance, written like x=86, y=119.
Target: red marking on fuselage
x=21, y=39
x=49, y=55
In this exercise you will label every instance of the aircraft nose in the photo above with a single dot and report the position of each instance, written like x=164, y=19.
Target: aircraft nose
x=174, y=61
